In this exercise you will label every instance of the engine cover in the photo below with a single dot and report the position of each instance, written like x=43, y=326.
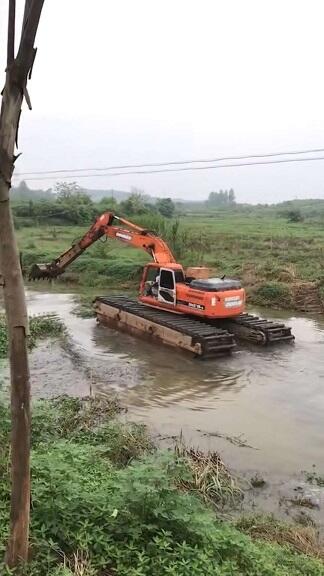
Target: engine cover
x=215, y=284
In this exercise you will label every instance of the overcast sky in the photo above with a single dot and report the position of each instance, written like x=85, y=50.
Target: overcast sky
x=135, y=81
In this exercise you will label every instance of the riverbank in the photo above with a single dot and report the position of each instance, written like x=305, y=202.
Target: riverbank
x=256, y=410
x=106, y=501
x=268, y=398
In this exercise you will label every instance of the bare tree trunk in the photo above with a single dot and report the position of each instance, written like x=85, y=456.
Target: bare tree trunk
x=14, y=91
x=17, y=549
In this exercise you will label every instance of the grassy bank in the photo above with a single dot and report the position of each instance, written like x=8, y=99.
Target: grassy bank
x=106, y=502
x=269, y=254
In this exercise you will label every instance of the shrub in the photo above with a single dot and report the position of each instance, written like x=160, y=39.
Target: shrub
x=294, y=216
x=273, y=294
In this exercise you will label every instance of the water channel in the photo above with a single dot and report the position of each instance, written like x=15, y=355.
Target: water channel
x=271, y=399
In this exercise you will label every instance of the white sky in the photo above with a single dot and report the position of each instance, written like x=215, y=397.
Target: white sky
x=124, y=81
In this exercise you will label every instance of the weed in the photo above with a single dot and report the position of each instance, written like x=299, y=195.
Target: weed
x=90, y=419
x=84, y=307
x=40, y=327
x=30, y=245
x=78, y=564
x=304, y=519
x=315, y=478
x=321, y=293
x=257, y=481
x=67, y=417
x=303, y=501
x=303, y=539
x=209, y=477
x=236, y=440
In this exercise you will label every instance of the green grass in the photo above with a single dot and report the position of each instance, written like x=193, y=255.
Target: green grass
x=105, y=502
x=270, y=245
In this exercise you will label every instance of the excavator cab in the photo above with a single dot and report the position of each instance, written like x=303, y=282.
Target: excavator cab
x=159, y=283
x=167, y=286
x=167, y=289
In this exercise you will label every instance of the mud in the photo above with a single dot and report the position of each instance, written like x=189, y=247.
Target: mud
x=262, y=409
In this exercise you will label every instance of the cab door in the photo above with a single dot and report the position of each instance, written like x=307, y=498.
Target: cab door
x=167, y=287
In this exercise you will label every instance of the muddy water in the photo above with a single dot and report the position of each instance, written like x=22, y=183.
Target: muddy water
x=272, y=399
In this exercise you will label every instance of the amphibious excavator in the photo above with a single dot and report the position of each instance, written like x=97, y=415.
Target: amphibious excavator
x=183, y=308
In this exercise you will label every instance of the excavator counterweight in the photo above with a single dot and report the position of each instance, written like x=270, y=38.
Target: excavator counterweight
x=196, y=313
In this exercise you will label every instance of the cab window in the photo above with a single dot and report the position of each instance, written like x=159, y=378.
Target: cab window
x=166, y=279
x=179, y=276
x=152, y=273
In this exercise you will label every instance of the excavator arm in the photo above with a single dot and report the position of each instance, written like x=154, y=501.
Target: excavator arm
x=111, y=226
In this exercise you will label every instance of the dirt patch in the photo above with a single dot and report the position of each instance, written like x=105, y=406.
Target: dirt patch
x=307, y=297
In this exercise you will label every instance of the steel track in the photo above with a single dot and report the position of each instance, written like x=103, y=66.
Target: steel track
x=216, y=337
x=258, y=330
x=214, y=340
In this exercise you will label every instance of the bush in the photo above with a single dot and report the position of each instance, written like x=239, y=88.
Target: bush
x=273, y=294
x=166, y=207
x=294, y=216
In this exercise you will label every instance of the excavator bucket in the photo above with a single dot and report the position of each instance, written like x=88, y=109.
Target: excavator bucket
x=42, y=272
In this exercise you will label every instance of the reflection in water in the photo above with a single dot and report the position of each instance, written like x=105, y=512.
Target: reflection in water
x=274, y=396
x=167, y=375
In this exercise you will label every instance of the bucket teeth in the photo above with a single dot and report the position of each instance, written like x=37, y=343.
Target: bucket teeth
x=42, y=272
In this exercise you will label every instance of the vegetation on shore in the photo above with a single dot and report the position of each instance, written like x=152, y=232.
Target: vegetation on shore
x=44, y=326
x=273, y=249
x=106, y=502
x=270, y=255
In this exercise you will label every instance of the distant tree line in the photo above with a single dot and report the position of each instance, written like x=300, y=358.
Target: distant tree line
x=70, y=204
x=23, y=193
x=221, y=198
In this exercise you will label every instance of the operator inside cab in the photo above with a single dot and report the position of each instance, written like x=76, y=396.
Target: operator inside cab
x=155, y=286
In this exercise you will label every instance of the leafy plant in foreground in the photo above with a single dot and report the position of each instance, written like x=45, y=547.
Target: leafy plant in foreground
x=96, y=514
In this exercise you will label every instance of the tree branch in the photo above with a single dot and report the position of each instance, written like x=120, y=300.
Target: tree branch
x=11, y=32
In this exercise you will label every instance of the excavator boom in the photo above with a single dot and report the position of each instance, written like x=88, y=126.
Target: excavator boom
x=111, y=226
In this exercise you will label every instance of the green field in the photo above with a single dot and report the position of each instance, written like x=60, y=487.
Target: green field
x=235, y=242
x=268, y=253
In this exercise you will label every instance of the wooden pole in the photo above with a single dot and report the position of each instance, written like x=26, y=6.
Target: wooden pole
x=17, y=73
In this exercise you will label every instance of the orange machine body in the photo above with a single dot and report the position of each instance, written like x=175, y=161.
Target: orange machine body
x=174, y=293
x=164, y=283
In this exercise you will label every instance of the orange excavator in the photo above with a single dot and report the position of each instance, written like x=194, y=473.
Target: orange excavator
x=181, y=307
